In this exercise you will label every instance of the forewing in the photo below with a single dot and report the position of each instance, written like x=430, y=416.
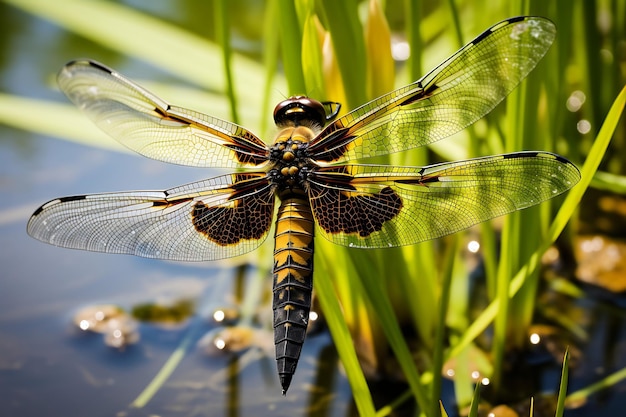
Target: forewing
x=461, y=90
x=377, y=206
x=148, y=125
x=206, y=220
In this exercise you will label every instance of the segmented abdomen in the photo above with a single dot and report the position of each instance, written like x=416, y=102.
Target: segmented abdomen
x=293, y=282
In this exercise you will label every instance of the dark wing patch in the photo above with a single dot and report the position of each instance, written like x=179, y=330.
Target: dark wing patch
x=246, y=216
x=356, y=213
x=458, y=92
x=377, y=206
x=151, y=127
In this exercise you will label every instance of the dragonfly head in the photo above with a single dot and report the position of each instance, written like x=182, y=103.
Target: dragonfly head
x=302, y=110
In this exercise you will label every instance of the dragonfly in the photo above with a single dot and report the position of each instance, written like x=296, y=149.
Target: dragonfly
x=309, y=172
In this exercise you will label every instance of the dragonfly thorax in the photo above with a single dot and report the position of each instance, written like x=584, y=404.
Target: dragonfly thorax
x=289, y=156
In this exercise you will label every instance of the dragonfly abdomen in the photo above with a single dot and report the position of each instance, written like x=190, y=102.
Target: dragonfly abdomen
x=293, y=282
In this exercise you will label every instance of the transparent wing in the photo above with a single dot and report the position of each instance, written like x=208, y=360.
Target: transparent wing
x=148, y=125
x=377, y=206
x=461, y=90
x=206, y=220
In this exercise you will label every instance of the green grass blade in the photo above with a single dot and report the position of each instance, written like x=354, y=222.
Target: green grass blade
x=342, y=21
x=605, y=383
x=397, y=402
x=609, y=182
x=440, y=330
x=221, y=21
x=270, y=59
x=344, y=343
x=53, y=119
x=475, y=401
x=442, y=410
x=168, y=368
x=458, y=32
x=412, y=31
x=560, y=403
x=505, y=270
x=312, y=60
x=144, y=37
x=381, y=67
x=291, y=45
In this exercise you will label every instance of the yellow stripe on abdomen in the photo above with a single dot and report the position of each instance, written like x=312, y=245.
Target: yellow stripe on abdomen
x=293, y=282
